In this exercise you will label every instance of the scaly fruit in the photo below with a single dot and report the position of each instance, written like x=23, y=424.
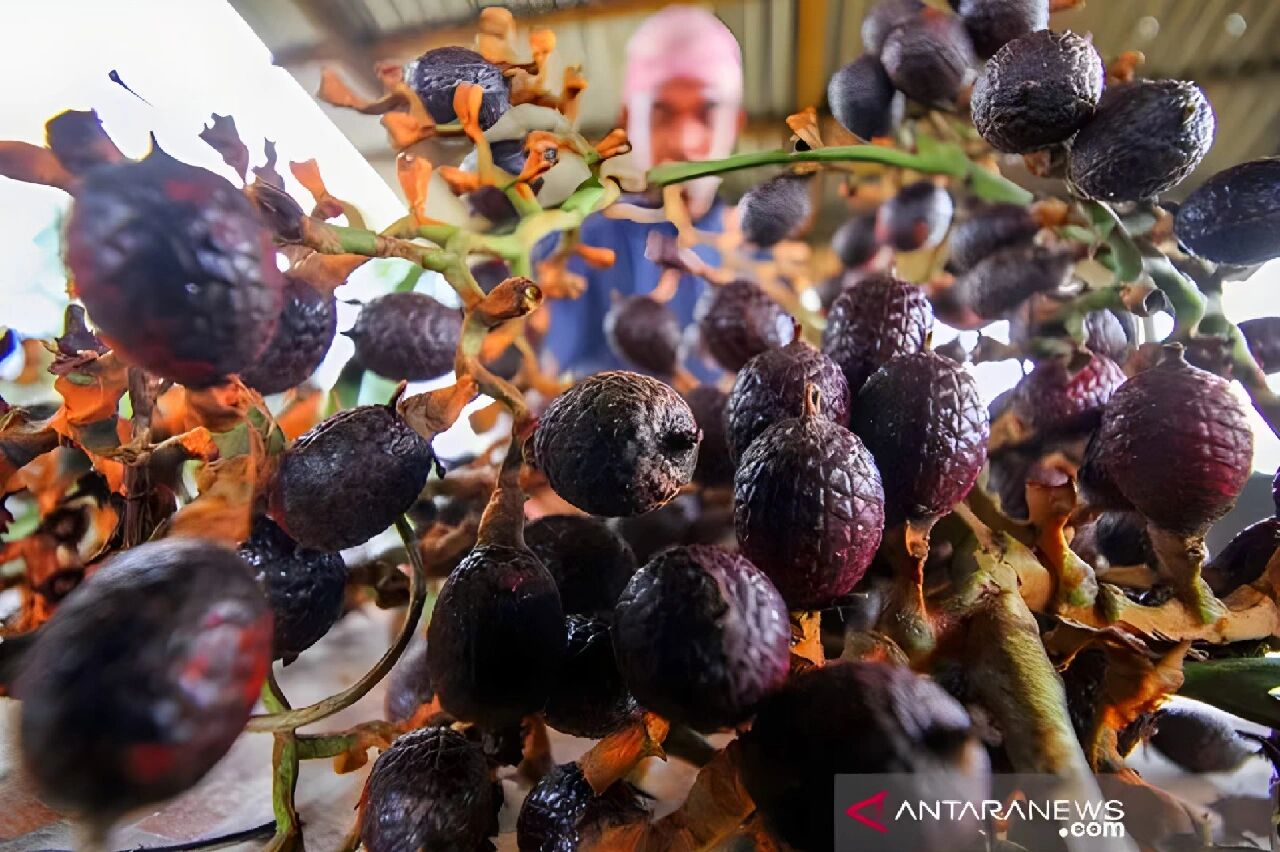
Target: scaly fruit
x=873, y=321
x=302, y=338
x=409, y=682
x=589, y=562
x=1234, y=216
x=589, y=698
x=863, y=99
x=715, y=464
x=1004, y=280
x=562, y=809
x=738, y=321
x=992, y=24
x=771, y=211
x=436, y=74
x=407, y=336
x=1057, y=396
x=1200, y=738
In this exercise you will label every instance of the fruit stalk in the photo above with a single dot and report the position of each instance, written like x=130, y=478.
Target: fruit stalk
x=905, y=618
x=503, y=518
x=284, y=774
x=1181, y=558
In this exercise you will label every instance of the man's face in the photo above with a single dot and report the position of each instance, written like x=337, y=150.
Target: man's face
x=686, y=123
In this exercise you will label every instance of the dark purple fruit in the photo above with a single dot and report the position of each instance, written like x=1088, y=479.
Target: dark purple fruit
x=409, y=682
x=738, y=321
x=643, y=332
x=143, y=677
x=175, y=268
x=436, y=74
x=1097, y=488
x=430, y=790
x=562, y=809
x=1177, y=444
x=1234, y=216
x=1056, y=396
x=407, y=336
x=809, y=509
x=922, y=418
x=871, y=322
x=665, y=526
x=306, y=588
x=1004, y=280
x=1105, y=334
x=772, y=386
x=1144, y=138
x=854, y=242
x=771, y=211
x=988, y=229
x=884, y=17
x=1262, y=334
x=829, y=289
x=302, y=338
x=927, y=57
x=589, y=562
x=701, y=635
x=715, y=464
x=617, y=444
x=496, y=636
x=863, y=99
x=349, y=478
x=992, y=24
x=858, y=718
x=916, y=218
x=1200, y=738
x=1115, y=538
x=1244, y=558
x=589, y=698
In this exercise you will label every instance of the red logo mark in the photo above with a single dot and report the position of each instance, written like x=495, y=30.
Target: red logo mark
x=877, y=803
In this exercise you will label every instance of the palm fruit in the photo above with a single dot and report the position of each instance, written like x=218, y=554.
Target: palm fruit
x=992, y=24
x=1234, y=216
x=771, y=211
x=562, y=809
x=927, y=57
x=1057, y=395
x=1004, y=280
x=854, y=242
x=589, y=698
x=589, y=562
x=407, y=336
x=436, y=74
x=916, y=218
x=643, y=332
x=863, y=99
x=738, y=321
x=873, y=321
x=302, y=338
x=988, y=229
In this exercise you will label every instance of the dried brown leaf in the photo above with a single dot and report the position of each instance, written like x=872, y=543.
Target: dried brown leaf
x=223, y=510
x=222, y=136
x=435, y=411
x=617, y=754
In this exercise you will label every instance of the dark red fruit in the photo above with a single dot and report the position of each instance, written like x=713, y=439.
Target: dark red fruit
x=143, y=678
x=1234, y=216
x=884, y=17
x=738, y=321
x=1177, y=444
x=922, y=418
x=772, y=386
x=994, y=23
x=1244, y=558
x=927, y=57
x=871, y=322
x=562, y=809
x=701, y=635
x=1144, y=138
x=863, y=99
x=302, y=338
x=174, y=267
x=1097, y=488
x=1004, y=280
x=430, y=790
x=496, y=636
x=809, y=509
x=409, y=683
x=589, y=698
x=917, y=217
x=349, y=478
x=1262, y=334
x=436, y=74
x=715, y=465
x=643, y=332
x=1056, y=396
x=617, y=443
x=407, y=336
x=771, y=211
x=589, y=562
x=854, y=242
x=305, y=588
x=988, y=229
x=1200, y=738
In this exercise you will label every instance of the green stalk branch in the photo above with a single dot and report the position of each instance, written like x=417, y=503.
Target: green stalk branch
x=1184, y=297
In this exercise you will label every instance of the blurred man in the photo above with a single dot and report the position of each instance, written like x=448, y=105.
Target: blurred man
x=682, y=100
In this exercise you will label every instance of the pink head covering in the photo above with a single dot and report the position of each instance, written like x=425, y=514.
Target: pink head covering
x=688, y=42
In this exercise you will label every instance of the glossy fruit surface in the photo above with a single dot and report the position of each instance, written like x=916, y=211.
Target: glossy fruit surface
x=643, y=332
x=882, y=18
x=589, y=698
x=1234, y=216
x=771, y=211
x=927, y=57
x=863, y=99
x=589, y=562
x=917, y=217
x=1107, y=335
x=409, y=682
x=994, y=23
x=1244, y=558
x=715, y=465
x=302, y=338
x=988, y=229
x=871, y=322
x=665, y=526
x=854, y=242
x=436, y=74
x=1057, y=394
x=738, y=321
x=1004, y=280
x=562, y=808
x=407, y=336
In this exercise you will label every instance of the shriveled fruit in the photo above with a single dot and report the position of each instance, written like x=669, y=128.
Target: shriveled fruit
x=496, y=636
x=1144, y=138
x=430, y=790
x=407, y=336
x=349, y=478
x=988, y=229
x=772, y=387
x=927, y=57
x=809, y=508
x=1058, y=394
x=873, y=321
x=1200, y=739
x=143, y=677
x=701, y=635
x=1262, y=334
x=562, y=809
x=923, y=420
x=305, y=587
x=642, y=331
x=174, y=267
x=589, y=562
x=854, y=242
x=436, y=74
x=589, y=698
x=884, y=17
x=739, y=320
x=302, y=338
x=409, y=683
x=863, y=99
x=916, y=218
x=715, y=464
x=994, y=23
x=1244, y=558
x=1004, y=280
x=771, y=211
x=1234, y=216
x=617, y=443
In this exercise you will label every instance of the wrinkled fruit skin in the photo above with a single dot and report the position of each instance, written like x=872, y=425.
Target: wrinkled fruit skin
x=407, y=336
x=1244, y=558
x=809, y=509
x=1144, y=138
x=305, y=588
x=772, y=386
x=771, y=211
x=1234, y=216
x=738, y=321
x=589, y=562
x=617, y=444
x=884, y=17
x=873, y=321
x=1053, y=397
x=174, y=267
x=349, y=478
x=589, y=698
x=927, y=56
x=701, y=635
x=1177, y=444
x=642, y=331
x=715, y=465
x=1200, y=739
x=863, y=99
x=302, y=338
x=922, y=418
x=917, y=217
x=855, y=717
x=854, y=242
x=496, y=636
x=436, y=74
x=431, y=790
x=992, y=24
x=1004, y=280
x=144, y=677
x=409, y=682
x=562, y=808
x=1262, y=334
x=987, y=230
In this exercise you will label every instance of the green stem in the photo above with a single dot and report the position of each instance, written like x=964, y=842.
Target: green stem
x=284, y=772
x=1184, y=297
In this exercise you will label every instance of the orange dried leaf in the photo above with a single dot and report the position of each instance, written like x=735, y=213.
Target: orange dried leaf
x=335, y=92
x=304, y=410
x=90, y=394
x=326, y=272
x=405, y=129
x=435, y=411
x=597, y=257
x=220, y=408
x=617, y=754
x=414, y=174
x=223, y=511
x=460, y=182
x=484, y=419
x=22, y=440
x=33, y=164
